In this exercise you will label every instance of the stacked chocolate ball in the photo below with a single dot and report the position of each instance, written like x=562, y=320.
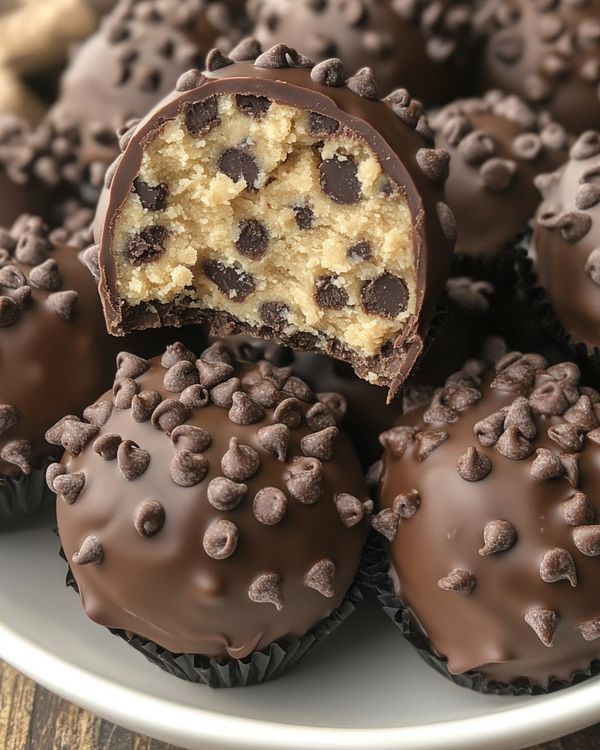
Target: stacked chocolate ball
x=346, y=272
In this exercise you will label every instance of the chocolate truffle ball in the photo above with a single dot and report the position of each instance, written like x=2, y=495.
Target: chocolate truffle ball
x=566, y=241
x=274, y=198
x=489, y=503
x=421, y=46
x=497, y=146
x=228, y=487
x=54, y=349
x=546, y=52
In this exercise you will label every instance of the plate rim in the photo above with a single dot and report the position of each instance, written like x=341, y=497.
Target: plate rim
x=543, y=719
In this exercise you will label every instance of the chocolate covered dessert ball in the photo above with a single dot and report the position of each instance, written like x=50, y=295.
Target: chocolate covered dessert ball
x=566, y=241
x=489, y=509
x=548, y=53
x=498, y=145
x=229, y=487
x=55, y=354
x=421, y=46
x=275, y=198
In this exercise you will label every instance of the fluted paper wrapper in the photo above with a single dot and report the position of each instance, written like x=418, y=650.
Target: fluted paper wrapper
x=24, y=496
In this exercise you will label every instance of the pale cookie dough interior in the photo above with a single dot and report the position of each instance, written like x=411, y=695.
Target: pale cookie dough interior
x=275, y=215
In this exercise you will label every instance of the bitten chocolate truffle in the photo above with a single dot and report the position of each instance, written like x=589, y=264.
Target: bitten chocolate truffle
x=566, y=241
x=277, y=198
x=55, y=354
x=211, y=507
x=489, y=507
x=498, y=145
x=548, y=53
x=422, y=46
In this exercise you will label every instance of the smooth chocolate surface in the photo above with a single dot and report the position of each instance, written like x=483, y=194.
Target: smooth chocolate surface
x=489, y=508
x=566, y=241
x=221, y=528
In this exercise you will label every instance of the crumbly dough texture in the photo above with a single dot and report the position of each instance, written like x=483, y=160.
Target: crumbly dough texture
x=274, y=215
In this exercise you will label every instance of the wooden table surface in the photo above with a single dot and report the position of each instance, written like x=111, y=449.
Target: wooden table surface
x=31, y=718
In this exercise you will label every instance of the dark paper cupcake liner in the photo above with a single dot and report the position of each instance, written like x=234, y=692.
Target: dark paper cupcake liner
x=24, y=496
x=379, y=580
x=534, y=298
x=258, y=667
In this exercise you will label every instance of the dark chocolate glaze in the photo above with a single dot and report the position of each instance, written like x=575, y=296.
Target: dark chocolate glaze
x=486, y=630
x=547, y=53
x=412, y=45
x=477, y=133
x=166, y=587
x=395, y=144
x=566, y=240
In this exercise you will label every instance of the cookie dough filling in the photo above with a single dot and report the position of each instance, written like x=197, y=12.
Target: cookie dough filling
x=276, y=215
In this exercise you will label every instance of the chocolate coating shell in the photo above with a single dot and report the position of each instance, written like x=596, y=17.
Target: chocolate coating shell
x=486, y=630
x=166, y=587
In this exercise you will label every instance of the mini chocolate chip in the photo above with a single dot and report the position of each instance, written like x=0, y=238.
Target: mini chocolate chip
x=32, y=249
x=289, y=412
x=329, y=73
x=434, y=163
x=275, y=439
x=54, y=434
x=543, y=622
x=359, y=251
x=570, y=464
x=19, y=453
x=385, y=296
x=350, y=509
x=586, y=146
x=587, y=540
x=12, y=277
x=124, y=389
x=266, y=589
x=169, y=414
x=497, y=174
x=546, y=465
x=321, y=578
x=149, y=518
x=577, y=510
x=180, y=376
x=76, y=435
x=238, y=164
x=318, y=417
x=305, y=479
x=223, y=494
x=427, y=441
x=53, y=471
x=304, y=216
x=549, y=400
x=489, y=429
x=328, y=295
x=69, y=486
x=187, y=468
x=558, y=565
x=63, y=303
x=107, y=445
x=567, y=436
x=447, y=221
x=473, y=466
x=265, y=393
x=253, y=238
x=175, y=353
x=189, y=80
x=146, y=246
x=22, y=297
x=520, y=415
x=459, y=579
x=321, y=125
x=513, y=445
x=582, y=414
x=46, y=276
x=573, y=225
x=397, y=440
x=498, y=536
x=244, y=411
x=91, y=552
x=590, y=629
x=200, y=117
x=220, y=539
x=269, y=506
x=222, y=394
x=299, y=389
x=132, y=460
x=217, y=352
x=143, y=405
x=152, y=197
x=335, y=403
x=191, y=438
x=386, y=523
x=213, y=373
x=363, y=84
x=233, y=282
x=339, y=180
x=130, y=365
x=592, y=266
x=319, y=444
x=9, y=417
x=240, y=462
x=407, y=504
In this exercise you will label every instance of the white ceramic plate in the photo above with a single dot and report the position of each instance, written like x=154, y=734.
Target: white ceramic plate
x=363, y=689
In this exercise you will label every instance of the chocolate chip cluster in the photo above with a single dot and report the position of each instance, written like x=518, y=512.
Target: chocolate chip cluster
x=566, y=242
x=229, y=486
x=497, y=476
